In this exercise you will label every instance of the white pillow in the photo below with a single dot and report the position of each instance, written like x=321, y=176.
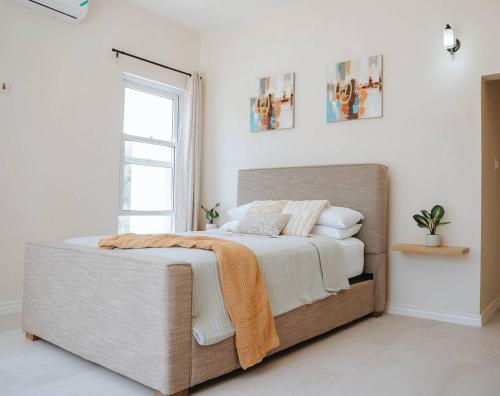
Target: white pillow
x=304, y=215
x=339, y=217
x=229, y=227
x=239, y=212
x=336, y=233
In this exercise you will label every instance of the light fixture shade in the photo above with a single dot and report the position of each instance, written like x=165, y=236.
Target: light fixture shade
x=449, y=37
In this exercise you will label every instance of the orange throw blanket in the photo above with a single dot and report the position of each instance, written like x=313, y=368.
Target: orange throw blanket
x=243, y=288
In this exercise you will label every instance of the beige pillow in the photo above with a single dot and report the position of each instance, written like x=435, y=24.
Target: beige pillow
x=304, y=215
x=263, y=218
x=268, y=206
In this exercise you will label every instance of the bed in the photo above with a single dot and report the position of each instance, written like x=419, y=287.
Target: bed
x=132, y=313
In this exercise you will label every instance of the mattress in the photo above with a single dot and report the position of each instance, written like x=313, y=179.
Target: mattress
x=352, y=248
x=354, y=255
x=292, y=269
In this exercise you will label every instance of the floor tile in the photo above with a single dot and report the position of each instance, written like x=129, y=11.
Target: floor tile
x=391, y=355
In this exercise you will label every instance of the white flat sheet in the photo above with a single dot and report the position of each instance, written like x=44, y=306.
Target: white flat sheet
x=290, y=265
x=353, y=250
x=354, y=255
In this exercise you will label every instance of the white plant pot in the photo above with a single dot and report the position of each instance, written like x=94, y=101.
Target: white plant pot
x=209, y=226
x=433, y=240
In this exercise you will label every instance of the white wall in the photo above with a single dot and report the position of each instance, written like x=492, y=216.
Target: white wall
x=60, y=126
x=430, y=134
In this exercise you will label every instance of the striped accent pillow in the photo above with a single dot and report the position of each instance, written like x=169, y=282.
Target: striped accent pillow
x=304, y=215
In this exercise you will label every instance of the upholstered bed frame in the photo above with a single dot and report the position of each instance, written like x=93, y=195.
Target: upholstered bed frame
x=132, y=313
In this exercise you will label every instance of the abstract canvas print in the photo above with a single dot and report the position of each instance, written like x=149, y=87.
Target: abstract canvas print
x=272, y=102
x=354, y=89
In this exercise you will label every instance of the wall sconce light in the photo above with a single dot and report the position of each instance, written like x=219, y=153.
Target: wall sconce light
x=451, y=43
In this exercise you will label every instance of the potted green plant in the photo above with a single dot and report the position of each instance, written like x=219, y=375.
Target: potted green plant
x=431, y=221
x=211, y=215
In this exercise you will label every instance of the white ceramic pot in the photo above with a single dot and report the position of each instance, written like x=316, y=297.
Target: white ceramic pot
x=433, y=240
x=209, y=226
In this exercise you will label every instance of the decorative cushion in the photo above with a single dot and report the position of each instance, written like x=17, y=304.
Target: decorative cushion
x=304, y=215
x=263, y=218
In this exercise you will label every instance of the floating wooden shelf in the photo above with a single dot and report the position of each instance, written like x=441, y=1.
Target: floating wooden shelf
x=441, y=250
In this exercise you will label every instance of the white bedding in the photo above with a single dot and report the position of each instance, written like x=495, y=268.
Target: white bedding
x=354, y=255
x=291, y=267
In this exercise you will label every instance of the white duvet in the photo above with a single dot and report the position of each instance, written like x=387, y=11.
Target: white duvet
x=297, y=271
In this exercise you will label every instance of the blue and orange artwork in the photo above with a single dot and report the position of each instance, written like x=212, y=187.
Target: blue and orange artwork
x=272, y=103
x=354, y=89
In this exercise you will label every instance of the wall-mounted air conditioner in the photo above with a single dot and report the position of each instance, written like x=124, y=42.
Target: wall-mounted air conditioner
x=73, y=11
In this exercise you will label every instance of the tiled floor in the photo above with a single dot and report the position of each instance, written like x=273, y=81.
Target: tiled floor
x=391, y=355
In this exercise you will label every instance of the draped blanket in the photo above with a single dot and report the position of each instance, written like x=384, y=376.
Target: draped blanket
x=243, y=288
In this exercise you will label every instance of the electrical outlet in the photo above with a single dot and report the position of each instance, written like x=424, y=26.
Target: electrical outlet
x=4, y=87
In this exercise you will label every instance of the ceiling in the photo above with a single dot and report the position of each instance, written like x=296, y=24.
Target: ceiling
x=203, y=15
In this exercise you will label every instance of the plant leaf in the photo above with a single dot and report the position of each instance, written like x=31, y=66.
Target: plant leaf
x=437, y=213
x=426, y=214
x=431, y=226
x=422, y=222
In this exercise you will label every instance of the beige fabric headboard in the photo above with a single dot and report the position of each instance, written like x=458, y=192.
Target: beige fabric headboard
x=362, y=187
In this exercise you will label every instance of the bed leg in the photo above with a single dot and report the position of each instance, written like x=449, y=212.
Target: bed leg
x=32, y=337
x=377, y=314
x=184, y=392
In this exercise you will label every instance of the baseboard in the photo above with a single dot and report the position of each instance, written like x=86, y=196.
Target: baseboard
x=459, y=318
x=10, y=307
x=490, y=310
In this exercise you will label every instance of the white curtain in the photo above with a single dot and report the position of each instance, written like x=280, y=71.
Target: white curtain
x=189, y=158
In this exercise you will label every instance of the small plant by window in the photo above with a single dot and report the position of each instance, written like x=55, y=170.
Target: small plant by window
x=211, y=214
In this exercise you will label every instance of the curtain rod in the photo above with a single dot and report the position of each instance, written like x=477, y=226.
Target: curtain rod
x=119, y=52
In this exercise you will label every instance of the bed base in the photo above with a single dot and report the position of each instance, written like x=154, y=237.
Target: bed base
x=301, y=324
x=31, y=337
x=294, y=327
x=105, y=307
x=184, y=392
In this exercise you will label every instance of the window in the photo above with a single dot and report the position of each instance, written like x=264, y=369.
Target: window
x=149, y=143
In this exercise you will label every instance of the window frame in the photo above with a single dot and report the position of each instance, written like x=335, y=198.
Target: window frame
x=166, y=91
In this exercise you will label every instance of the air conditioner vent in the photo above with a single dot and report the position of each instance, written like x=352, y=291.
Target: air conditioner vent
x=73, y=11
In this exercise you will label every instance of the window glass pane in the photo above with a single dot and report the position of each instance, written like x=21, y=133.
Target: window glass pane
x=147, y=188
x=148, y=151
x=145, y=224
x=148, y=115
